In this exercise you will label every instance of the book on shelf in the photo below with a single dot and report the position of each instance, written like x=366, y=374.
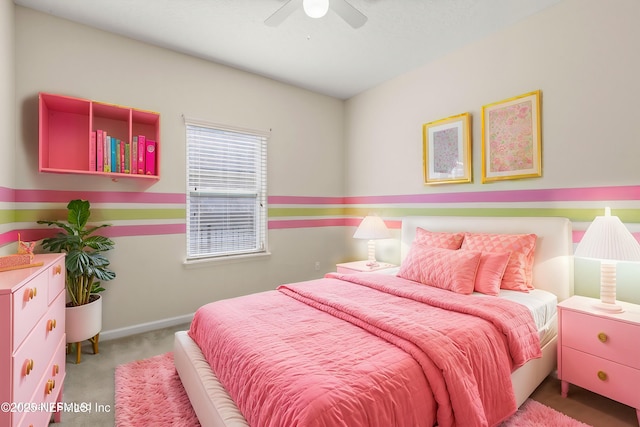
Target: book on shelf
x=134, y=155
x=92, y=151
x=150, y=157
x=107, y=152
x=127, y=157
x=99, y=151
x=141, y=154
x=114, y=154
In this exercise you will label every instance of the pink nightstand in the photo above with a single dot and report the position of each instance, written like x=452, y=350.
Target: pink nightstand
x=600, y=351
x=361, y=267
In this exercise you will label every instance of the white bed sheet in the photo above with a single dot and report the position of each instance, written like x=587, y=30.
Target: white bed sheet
x=542, y=305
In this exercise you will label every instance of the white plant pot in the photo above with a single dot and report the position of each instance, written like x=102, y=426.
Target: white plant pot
x=84, y=321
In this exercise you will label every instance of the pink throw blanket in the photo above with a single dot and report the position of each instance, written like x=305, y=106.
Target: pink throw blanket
x=366, y=350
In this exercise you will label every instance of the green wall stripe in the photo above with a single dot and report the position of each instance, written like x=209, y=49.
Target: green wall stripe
x=100, y=215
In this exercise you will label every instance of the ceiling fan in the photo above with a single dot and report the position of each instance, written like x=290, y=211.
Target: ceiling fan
x=317, y=9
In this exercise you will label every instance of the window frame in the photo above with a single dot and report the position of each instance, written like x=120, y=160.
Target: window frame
x=258, y=192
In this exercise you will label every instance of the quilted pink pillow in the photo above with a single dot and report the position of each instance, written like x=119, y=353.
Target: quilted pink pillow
x=438, y=239
x=490, y=272
x=518, y=275
x=441, y=268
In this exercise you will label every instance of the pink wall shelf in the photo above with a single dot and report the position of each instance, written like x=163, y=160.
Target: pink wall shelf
x=65, y=132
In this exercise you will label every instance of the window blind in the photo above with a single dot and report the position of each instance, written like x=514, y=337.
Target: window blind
x=227, y=188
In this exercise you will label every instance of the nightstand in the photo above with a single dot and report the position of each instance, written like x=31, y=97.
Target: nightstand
x=361, y=267
x=600, y=351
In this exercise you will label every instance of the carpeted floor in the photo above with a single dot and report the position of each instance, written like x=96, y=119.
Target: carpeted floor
x=149, y=393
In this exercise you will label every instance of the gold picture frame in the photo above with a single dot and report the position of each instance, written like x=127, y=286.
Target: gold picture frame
x=512, y=138
x=446, y=148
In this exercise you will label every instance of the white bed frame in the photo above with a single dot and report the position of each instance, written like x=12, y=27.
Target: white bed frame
x=552, y=271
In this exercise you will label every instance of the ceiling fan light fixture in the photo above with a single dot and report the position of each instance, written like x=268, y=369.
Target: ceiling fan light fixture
x=315, y=8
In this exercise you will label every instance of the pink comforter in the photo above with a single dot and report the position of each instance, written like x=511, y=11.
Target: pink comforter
x=367, y=350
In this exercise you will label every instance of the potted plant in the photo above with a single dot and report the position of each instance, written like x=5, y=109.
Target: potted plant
x=86, y=268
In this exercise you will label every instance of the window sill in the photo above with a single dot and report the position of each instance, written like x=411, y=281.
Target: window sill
x=207, y=262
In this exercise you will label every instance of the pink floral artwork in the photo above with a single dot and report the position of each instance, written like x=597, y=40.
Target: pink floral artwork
x=511, y=139
x=445, y=146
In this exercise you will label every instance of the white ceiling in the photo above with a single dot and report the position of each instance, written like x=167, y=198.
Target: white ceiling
x=324, y=55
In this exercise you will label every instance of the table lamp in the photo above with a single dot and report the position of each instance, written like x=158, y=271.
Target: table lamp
x=608, y=240
x=372, y=228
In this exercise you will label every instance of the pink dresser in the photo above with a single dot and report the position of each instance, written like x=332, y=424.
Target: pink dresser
x=599, y=351
x=32, y=342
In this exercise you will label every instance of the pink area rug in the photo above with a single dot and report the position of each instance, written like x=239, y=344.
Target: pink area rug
x=149, y=393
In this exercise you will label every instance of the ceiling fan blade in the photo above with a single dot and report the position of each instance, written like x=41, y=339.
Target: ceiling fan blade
x=350, y=14
x=281, y=14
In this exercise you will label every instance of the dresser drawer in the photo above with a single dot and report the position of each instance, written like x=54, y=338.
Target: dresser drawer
x=47, y=392
x=33, y=419
x=29, y=304
x=607, y=338
x=31, y=359
x=616, y=381
x=56, y=275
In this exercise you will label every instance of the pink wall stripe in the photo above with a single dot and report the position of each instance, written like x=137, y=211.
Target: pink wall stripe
x=558, y=194
x=275, y=224
x=577, y=235
x=301, y=200
x=55, y=196
x=28, y=235
x=7, y=194
x=144, y=230
x=305, y=223
x=392, y=224
x=543, y=195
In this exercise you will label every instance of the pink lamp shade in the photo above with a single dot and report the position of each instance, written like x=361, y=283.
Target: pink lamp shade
x=372, y=228
x=608, y=240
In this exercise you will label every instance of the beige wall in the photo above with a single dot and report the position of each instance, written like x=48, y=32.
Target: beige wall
x=582, y=54
x=7, y=107
x=58, y=56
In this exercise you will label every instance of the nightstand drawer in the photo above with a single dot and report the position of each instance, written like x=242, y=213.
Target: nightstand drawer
x=601, y=376
x=610, y=339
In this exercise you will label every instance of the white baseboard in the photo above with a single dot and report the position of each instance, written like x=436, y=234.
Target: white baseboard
x=145, y=327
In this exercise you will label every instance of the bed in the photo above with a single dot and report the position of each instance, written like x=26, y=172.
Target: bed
x=552, y=272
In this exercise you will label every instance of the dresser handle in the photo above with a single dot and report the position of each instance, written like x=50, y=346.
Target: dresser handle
x=51, y=325
x=32, y=293
x=51, y=384
x=28, y=366
x=602, y=376
x=603, y=337
x=56, y=369
x=57, y=269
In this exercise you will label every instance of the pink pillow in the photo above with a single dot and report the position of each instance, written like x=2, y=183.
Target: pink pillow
x=518, y=275
x=438, y=239
x=490, y=271
x=441, y=268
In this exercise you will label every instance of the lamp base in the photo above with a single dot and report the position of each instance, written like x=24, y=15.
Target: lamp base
x=608, y=307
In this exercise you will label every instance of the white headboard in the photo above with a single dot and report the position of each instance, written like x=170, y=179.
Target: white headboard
x=553, y=259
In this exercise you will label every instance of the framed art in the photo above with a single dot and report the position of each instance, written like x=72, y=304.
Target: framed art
x=512, y=138
x=446, y=149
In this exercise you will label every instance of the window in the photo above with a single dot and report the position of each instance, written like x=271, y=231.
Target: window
x=226, y=191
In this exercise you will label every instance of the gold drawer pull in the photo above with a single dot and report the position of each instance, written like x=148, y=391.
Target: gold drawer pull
x=56, y=369
x=51, y=325
x=602, y=376
x=51, y=384
x=603, y=337
x=57, y=270
x=32, y=293
x=28, y=366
